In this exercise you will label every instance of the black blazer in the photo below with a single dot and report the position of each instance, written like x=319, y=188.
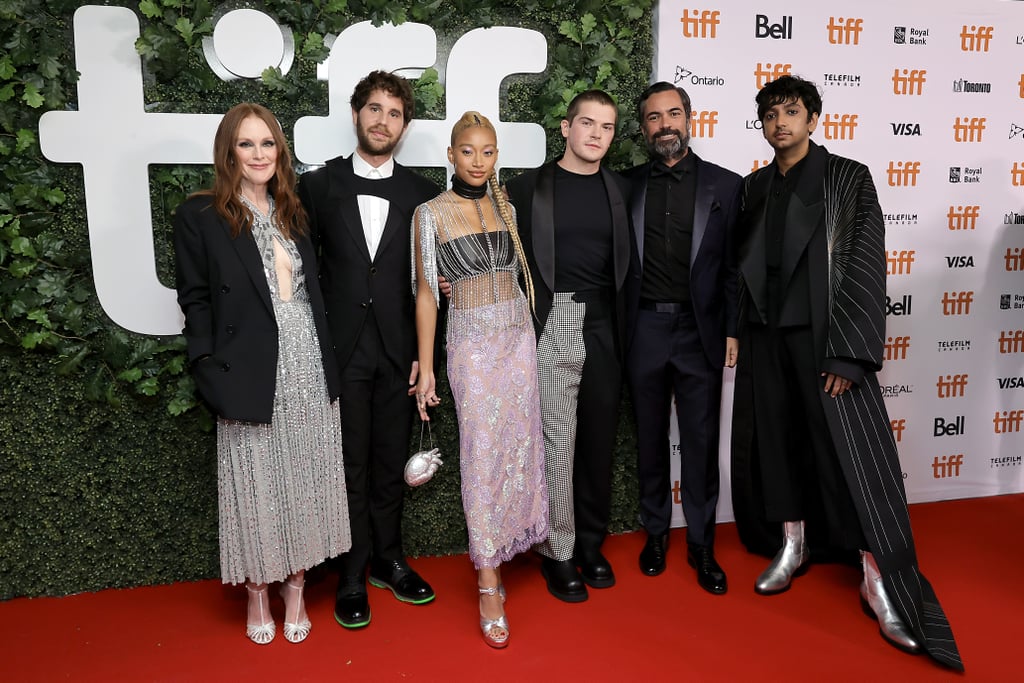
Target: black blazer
x=532, y=193
x=713, y=268
x=350, y=280
x=229, y=317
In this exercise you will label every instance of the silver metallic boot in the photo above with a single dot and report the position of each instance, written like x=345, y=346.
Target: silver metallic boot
x=876, y=604
x=790, y=561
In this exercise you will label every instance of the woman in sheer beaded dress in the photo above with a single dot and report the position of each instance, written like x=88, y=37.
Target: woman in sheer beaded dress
x=262, y=359
x=469, y=237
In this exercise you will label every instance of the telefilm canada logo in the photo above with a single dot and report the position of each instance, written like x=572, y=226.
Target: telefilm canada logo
x=846, y=80
x=902, y=218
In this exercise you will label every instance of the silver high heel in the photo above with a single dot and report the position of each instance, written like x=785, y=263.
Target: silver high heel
x=876, y=604
x=295, y=632
x=489, y=626
x=261, y=633
x=790, y=561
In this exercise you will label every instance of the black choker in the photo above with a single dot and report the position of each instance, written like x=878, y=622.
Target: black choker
x=464, y=189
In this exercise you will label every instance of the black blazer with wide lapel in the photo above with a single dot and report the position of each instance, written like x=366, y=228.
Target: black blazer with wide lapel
x=230, y=327
x=352, y=282
x=713, y=270
x=533, y=195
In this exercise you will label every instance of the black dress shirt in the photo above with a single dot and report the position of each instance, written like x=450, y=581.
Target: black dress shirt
x=668, y=231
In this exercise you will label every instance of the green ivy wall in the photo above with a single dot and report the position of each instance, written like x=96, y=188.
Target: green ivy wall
x=107, y=467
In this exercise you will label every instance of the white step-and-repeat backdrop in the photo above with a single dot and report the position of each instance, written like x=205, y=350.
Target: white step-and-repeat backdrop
x=930, y=95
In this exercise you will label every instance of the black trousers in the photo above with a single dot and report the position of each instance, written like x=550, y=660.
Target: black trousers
x=800, y=471
x=376, y=420
x=666, y=359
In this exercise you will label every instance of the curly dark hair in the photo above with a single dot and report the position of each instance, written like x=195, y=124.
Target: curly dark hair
x=393, y=85
x=787, y=89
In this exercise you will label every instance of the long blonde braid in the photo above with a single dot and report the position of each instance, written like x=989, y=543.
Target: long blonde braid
x=510, y=222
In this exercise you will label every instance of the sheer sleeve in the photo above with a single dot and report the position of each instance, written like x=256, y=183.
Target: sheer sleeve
x=424, y=249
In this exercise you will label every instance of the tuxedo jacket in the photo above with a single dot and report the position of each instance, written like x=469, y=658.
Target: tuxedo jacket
x=351, y=280
x=230, y=328
x=533, y=195
x=713, y=272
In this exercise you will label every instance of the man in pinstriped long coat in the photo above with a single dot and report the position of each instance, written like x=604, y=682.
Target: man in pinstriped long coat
x=812, y=443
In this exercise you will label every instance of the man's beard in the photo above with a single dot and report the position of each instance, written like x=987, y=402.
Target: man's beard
x=368, y=144
x=667, y=148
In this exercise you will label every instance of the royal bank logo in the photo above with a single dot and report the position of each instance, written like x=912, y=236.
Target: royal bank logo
x=766, y=72
x=700, y=23
x=1013, y=260
x=962, y=217
x=908, y=81
x=968, y=129
x=906, y=128
x=976, y=38
x=902, y=35
x=764, y=27
x=951, y=386
x=1008, y=421
x=957, y=303
x=844, y=31
x=949, y=427
x=1011, y=302
x=898, y=262
x=896, y=390
x=113, y=109
x=965, y=174
x=896, y=348
x=899, y=307
x=841, y=80
x=900, y=218
x=1011, y=341
x=962, y=85
x=840, y=126
x=947, y=466
x=684, y=75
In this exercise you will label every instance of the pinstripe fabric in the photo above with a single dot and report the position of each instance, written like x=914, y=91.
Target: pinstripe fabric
x=848, y=322
x=560, y=358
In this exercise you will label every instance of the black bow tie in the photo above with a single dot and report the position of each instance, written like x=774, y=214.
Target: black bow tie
x=660, y=169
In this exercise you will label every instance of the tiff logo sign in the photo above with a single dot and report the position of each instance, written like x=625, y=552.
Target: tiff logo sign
x=840, y=126
x=947, y=466
x=897, y=428
x=908, y=81
x=903, y=173
x=1017, y=175
x=1008, y=422
x=703, y=123
x=968, y=129
x=1020, y=84
x=899, y=262
x=116, y=140
x=896, y=348
x=975, y=38
x=1011, y=341
x=844, y=31
x=963, y=217
x=1014, y=259
x=703, y=23
x=952, y=386
x=769, y=72
x=957, y=303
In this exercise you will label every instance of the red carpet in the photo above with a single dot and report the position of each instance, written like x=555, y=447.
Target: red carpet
x=642, y=629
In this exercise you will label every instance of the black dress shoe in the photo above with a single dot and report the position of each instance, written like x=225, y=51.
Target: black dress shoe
x=401, y=580
x=652, y=557
x=595, y=569
x=351, y=607
x=710, y=576
x=564, y=582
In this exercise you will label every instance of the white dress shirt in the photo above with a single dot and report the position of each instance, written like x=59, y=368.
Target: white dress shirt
x=372, y=210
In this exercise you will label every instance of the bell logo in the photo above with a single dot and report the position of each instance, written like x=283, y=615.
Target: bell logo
x=963, y=217
x=844, y=31
x=703, y=23
x=704, y=123
x=908, y=81
x=897, y=428
x=1014, y=259
x=903, y=173
x=1017, y=174
x=952, y=386
x=896, y=348
x=968, y=129
x=1008, y=422
x=901, y=307
x=975, y=38
x=947, y=466
x=955, y=427
x=840, y=126
x=1011, y=341
x=764, y=28
x=769, y=72
x=899, y=262
x=957, y=303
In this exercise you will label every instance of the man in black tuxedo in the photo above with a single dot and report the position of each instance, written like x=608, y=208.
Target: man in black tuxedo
x=360, y=208
x=682, y=315
x=575, y=231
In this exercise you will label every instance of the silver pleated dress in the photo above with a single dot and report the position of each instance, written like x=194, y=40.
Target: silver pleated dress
x=283, y=506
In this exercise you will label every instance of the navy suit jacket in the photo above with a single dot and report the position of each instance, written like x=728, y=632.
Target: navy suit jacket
x=713, y=272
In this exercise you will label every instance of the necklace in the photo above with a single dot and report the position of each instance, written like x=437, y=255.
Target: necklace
x=467, y=191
